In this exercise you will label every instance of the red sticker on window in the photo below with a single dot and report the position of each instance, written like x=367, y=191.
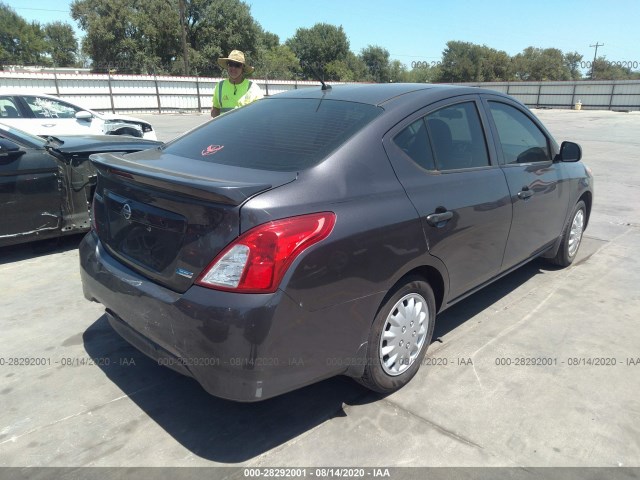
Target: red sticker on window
x=211, y=149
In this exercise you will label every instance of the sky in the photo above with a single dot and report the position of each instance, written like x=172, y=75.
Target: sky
x=418, y=30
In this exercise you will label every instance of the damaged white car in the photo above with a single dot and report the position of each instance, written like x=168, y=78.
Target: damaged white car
x=46, y=115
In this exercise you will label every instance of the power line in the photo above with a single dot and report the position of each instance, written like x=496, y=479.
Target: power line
x=40, y=9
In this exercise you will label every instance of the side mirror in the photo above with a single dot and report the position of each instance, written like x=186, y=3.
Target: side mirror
x=83, y=115
x=570, y=152
x=9, y=150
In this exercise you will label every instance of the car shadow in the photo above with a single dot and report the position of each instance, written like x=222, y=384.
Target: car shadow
x=212, y=428
x=471, y=306
x=229, y=432
x=39, y=248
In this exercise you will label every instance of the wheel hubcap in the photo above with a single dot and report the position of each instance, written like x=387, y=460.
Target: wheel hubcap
x=404, y=334
x=575, y=235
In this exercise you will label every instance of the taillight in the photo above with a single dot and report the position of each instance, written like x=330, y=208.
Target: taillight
x=258, y=259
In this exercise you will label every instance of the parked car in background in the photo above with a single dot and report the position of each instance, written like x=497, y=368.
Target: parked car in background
x=318, y=232
x=46, y=115
x=46, y=185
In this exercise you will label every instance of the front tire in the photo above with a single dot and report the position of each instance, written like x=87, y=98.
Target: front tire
x=572, y=236
x=399, y=337
x=132, y=132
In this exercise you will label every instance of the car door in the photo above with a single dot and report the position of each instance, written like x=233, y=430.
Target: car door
x=440, y=156
x=30, y=198
x=539, y=193
x=54, y=117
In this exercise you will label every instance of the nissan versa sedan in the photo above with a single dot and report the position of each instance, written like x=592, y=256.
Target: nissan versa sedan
x=46, y=115
x=46, y=185
x=319, y=232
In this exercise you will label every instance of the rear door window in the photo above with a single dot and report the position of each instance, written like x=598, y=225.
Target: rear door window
x=276, y=134
x=451, y=138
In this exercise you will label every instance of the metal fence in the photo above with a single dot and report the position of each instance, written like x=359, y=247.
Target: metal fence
x=621, y=95
x=131, y=93
x=141, y=93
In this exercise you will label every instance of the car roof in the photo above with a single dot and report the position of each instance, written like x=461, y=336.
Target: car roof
x=380, y=94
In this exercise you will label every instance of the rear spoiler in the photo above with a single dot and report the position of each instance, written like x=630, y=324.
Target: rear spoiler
x=185, y=184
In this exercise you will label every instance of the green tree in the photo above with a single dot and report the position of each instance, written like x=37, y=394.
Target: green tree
x=398, y=72
x=317, y=47
x=603, y=69
x=349, y=69
x=572, y=61
x=62, y=45
x=145, y=36
x=377, y=61
x=541, y=64
x=468, y=62
x=269, y=40
x=215, y=28
x=422, y=72
x=20, y=42
x=278, y=63
x=114, y=37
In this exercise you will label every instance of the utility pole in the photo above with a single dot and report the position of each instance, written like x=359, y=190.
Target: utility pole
x=183, y=28
x=593, y=65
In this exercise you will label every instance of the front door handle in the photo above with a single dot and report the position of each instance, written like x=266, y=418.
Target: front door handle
x=525, y=193
x=439, y=219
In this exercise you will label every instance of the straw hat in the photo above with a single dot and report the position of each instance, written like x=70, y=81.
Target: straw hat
x=236, y=56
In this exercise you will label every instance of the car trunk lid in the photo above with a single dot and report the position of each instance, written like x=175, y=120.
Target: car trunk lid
x=166, y=224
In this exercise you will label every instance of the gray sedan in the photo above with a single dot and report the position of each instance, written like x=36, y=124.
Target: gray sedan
x=319, y=232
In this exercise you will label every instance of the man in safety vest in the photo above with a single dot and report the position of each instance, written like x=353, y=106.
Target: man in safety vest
x=236, y=91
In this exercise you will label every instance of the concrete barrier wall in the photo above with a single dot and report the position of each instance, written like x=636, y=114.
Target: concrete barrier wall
x=141, y=93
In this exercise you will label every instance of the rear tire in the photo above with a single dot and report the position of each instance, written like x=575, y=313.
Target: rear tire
x=399, y=337
x=571, y=236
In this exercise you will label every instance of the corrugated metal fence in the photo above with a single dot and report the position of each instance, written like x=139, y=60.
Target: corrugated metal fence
x=130, y=93
x=140, y=93
x=594, y=95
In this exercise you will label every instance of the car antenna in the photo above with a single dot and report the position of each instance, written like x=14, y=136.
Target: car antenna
x=319, y=77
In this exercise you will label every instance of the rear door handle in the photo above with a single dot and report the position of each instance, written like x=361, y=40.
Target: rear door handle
x=439, y=219
x=525, y=193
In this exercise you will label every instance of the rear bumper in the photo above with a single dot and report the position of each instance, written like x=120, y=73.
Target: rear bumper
x=243, y=347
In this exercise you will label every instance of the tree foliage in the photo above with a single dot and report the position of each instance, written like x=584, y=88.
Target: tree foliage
x=21, y=43
x=377, y=61
x=321, y=47
x=143, y=36
x=572, y=61
x=215, y=28
x=180, y=37
x=468, y=62
x=61, y=43
x=278, y=62
x=541, y=64
x=128, y=36
x=603, y=69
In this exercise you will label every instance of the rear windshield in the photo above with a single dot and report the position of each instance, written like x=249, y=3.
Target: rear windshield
x=276, y=134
